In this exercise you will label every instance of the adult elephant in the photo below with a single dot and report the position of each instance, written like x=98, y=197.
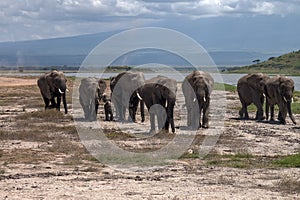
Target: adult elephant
x=123, y=87
x=197, y=88
x=280, y=91
x=159, y=95
x=53, y=86
x=251, y=89
x=90, y=94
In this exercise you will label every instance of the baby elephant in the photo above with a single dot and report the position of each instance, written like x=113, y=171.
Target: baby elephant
x=107, y=108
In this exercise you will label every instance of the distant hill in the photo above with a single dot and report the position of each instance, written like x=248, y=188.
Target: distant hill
x=288, y=64
x=71, y=51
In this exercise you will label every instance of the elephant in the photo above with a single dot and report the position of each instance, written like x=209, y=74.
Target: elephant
x=90, y=94
x=123, y=88
x=159, y=96
x=197, y=88
x=251, y=89
x=280, y=91
x=108, y=110
x=53, y=85
x=162, y=80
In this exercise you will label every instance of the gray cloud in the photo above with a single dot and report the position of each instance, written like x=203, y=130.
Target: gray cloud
x=33, y=19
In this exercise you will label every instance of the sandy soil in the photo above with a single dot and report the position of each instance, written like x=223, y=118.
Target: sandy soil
x=43, y=158
x=9, y=81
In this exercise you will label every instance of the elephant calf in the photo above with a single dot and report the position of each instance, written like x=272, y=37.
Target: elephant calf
x=53, y=85
x=90, y=94
x=108, y=108
x=280, y=91
x=197, y=88
x=251, y=89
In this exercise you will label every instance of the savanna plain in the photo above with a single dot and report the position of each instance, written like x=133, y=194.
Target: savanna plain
x=42, y=156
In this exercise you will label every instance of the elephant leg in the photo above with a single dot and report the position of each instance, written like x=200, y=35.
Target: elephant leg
x=282, y=113
x=272, y=113
x=111, y=116
x=53, y=104
x=258, y=102
x=267, y=110
x=244, y=112
x=205, y=117
x=92, y=112
x=96, y=110
x=189, y=117
x=123, y=111
x=106, y=115
x=241, y=112
x=46, y=100
x=142, y=110
x=86, y=112
x=152, y=122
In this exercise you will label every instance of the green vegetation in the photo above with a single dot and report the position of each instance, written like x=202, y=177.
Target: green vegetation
x=224, y=86
x=239, y=160
x=288, y=161
x=288, y=64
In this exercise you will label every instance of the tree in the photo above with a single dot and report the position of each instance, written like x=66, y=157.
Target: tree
x=256, y=61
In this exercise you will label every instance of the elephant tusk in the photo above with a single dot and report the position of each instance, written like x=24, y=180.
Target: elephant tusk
x=61, y=92
x=284, y=99
x=292, y=100
x=264, y=95
x=67, y=90
x=194, y=100
x=138, y=95
x=204, y=99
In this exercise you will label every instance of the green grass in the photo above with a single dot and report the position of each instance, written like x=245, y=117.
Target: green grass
x=224, y=86
x=288, y=161
x=288, y=64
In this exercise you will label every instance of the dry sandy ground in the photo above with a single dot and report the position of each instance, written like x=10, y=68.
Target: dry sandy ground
x=37, y=169
x=10, y=81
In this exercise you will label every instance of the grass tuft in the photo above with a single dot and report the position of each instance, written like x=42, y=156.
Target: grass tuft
x=288, y=161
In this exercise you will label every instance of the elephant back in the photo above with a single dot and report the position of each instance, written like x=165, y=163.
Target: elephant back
x=170, y=83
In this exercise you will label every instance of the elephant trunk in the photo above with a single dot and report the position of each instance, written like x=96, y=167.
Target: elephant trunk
x=65, y=103
x=290, y=112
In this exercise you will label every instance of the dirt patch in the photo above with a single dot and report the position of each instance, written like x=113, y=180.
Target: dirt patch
x=9, y=82
x=42, y=156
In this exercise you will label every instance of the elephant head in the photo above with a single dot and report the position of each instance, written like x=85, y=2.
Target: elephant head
x=90, y=93
x=123, y=87
x=197, y=88
x=280, y=91
x=53, y=85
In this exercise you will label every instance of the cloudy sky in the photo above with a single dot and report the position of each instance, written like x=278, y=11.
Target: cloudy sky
x=264, y=25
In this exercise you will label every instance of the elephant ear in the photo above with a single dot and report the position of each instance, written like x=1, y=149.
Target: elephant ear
x=44, y=87
x=282, y=86
x=50, y=80
x=253, y=80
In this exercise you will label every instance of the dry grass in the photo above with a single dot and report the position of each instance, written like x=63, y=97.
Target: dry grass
x=25, y=135
x=289, y=184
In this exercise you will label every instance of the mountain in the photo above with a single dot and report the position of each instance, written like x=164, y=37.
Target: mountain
x=71, y=51
x=288, y=64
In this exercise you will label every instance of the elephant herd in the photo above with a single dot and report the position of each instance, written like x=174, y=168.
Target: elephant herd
x=130, y=90
x=278, y=90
